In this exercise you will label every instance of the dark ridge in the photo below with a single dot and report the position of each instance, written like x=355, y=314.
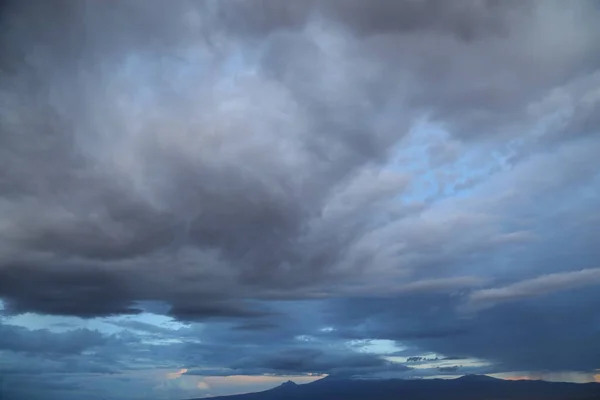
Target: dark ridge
x=468, y=387
x=477, y=378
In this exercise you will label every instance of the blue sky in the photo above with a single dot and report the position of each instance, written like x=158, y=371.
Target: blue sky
x=216, y=197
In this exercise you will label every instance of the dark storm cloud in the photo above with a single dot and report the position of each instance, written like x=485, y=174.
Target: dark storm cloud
x=215, y=310
x=53, y=289
x=219, y=157
x=307, y=360
x=19, y=339
x=104, y=195
x=466, y=20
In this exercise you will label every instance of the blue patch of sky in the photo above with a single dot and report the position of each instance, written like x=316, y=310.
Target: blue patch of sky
x=375, y=346
x=60, y=324
x=431, y=182
x=160, y=321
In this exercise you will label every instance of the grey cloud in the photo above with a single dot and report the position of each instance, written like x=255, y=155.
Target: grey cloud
x=264, y=16
x=215, y=310
x=452, y=368
x=467, y=20
x=131, y=184
x=78, y=291
x=372, y=318
x=308, y=360
x=443, y=284
x=19, y=339
x=574, y=106
x=257, y=166
x=481, y=108
x=534, y=287
x=512, y=336
x=536, y=324
x=255, y=326
x=112, y=196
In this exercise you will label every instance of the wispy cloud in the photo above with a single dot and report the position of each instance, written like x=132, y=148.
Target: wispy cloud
x=539, y=286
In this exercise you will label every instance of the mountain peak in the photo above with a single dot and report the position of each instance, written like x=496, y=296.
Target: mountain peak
x=477, y=378
x=288, y=384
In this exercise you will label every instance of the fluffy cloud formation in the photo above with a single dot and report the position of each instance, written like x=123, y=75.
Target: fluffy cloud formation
x=306, y=174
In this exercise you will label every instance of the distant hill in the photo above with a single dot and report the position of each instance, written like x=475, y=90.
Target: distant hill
x=469, y=387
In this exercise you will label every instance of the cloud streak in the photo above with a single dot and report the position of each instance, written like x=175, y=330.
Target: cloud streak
x=539, y=286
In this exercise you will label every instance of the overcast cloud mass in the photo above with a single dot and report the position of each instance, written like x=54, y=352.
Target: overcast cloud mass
x=210, y=197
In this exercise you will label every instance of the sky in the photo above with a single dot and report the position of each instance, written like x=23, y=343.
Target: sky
x=212, y=197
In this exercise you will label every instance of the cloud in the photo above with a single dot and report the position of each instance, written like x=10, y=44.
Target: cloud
x=77, y=290
x=263, y=170
x=211, y=309
x=15, y=338
x=307, y=361
x=534, y=287
x=143, y=327
x=256, y=326
x=175, y=375
x=465, y=21
x=207, y=195
x=443, y=284
x=452, y=368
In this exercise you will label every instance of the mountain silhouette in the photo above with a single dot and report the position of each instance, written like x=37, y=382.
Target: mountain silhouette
x=469, y=387
x=477, y=378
